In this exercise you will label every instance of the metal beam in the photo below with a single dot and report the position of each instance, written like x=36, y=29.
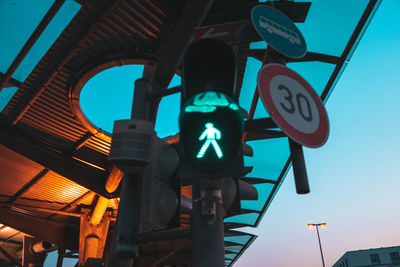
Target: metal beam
x=264, y=134
x=9, y=257
x=62, y=236
x=35, y=208
x=253, y=180
x=11, y=82
x=83, y=174
x=171, y=55
x=259, y=124
x=92, y=238
x=53, y=69
x=78, y=144
x=355, y=37
x=273, y=191
x=310, y=56
x=60, y=257
x=184, y=233
x=73, y=204
x=168, y=255
x=28, y=185
x=227, y=11
x=31, y=41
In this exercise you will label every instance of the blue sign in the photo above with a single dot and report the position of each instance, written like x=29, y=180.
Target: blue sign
x=278, y=31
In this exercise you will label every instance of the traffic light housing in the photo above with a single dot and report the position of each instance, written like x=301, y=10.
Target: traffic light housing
x=150, y=191
x=161, y=189
x=211, y=122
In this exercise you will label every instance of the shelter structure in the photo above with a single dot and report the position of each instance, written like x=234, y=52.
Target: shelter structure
x=56, y=184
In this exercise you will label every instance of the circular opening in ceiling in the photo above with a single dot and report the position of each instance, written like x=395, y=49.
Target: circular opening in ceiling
x=105, y=94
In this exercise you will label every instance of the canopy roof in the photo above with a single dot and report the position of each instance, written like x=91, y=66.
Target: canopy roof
x=53, y=156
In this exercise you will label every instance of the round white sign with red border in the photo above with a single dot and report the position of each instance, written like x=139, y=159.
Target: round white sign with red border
x=293, y=105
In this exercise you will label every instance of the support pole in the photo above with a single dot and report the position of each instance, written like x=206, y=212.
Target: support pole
x=60, y=257
x=126, y=232
x=92, y=238
x=320, y=248
x=299, y=168
x=207, y=225
x=112, y=259
x=127, y=228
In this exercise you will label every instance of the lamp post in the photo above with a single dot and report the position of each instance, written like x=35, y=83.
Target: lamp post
x=322, y=225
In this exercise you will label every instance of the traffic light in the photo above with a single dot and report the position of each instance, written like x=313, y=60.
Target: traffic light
x=143, y=156
x=161, y=189
x=150, y=190
x=211, y=122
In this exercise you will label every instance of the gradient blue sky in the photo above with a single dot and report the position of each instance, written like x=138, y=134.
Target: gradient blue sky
x=354, y=178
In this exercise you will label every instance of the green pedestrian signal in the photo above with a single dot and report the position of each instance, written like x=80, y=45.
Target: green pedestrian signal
x=211, y=122
x=212, y=135
x=211, y=125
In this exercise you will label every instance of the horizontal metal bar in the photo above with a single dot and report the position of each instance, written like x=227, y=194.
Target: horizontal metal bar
x=10, y=257
x=11, y=82
x=59, y=212
x=52, y=232
x=28, y=185
x=310, y=56
x=227, y=11
x=259, y=124
x=248, y=169
x=166, y=235
x=264, y=134
x=164, y=92
x=31, y=41
x=53, y=70
x=253, y=180
x=85, y=175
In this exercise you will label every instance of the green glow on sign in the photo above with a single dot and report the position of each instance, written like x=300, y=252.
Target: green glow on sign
x=210, y=98
x=212, y=134
x=208, y=102
x=202, y=109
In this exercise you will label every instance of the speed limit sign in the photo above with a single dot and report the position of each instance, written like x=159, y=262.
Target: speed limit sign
x=293, y=105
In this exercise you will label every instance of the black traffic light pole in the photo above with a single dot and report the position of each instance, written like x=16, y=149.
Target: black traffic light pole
x=209, y=75
x=208, y=223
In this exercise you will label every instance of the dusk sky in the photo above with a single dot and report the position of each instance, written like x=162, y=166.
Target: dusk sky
x=354, y=177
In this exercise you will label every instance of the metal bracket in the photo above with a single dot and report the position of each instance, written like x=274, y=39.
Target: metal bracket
x=29, y=257
x=210, y=199
x=92, y=238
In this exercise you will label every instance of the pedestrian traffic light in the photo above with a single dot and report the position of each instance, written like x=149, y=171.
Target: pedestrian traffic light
x=211, y=122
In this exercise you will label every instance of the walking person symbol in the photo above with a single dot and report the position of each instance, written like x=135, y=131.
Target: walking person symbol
x=212, y=134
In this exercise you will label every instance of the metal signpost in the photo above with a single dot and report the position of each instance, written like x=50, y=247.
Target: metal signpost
x=292, y=103
x=278, y=31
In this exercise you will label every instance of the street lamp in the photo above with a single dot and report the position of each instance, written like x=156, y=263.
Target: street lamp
x=316, y=225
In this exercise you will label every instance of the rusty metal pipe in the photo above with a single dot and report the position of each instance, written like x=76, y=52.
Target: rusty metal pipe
x=113, y=180
x=42, y=246
x=111, y=185
x=99, y=210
